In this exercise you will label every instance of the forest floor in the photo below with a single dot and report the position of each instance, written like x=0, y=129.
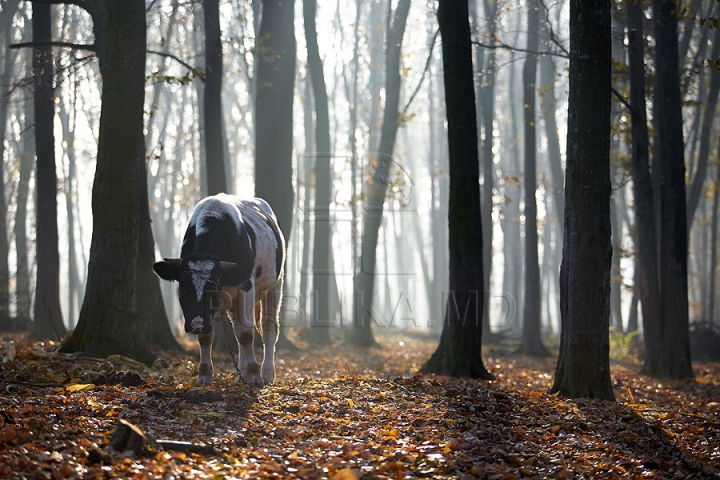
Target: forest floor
x=345, y=414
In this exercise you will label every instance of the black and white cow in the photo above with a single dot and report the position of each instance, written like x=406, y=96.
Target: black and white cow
x=231, y=262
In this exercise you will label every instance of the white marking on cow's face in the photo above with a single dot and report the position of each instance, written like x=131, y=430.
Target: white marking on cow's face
x=200, y=275
x=197, y=323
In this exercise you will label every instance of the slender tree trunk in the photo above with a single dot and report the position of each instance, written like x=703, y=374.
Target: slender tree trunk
x=322, y=249
x=697, y=188
x=583, y=366
x=212, y=101
x=376, y=189
x=47, y=314
x=713, y=250
x=4, y=244
x=22, y=279
x=459, y=351
x=670, y=357
x=488, y=117
x=643, y=183
x=531, y=333
x=548, y=106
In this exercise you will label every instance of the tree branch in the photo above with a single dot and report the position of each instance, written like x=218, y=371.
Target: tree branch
x=524, y=50
x=199, y=74
x=76, y=46
x=425, y=70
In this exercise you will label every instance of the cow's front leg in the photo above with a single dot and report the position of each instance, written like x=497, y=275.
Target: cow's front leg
x=245, y=334
x=205, y=368
x=270, y=326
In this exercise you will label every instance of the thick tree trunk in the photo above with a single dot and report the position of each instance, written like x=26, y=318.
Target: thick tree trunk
x=583, y=366
x=376, y=189
x=320, y=334
x=531, y=333
x=123, y=311
x=275, y=86
x=669, y=356
x=458, y=353
x=46, y=311
x=273, y=110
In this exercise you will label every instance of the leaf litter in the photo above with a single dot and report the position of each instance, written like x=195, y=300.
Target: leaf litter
x=346, y=414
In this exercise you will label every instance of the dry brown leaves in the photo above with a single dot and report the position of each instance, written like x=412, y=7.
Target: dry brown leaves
x=347, y=414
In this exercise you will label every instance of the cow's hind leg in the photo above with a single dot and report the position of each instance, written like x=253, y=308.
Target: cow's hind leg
x=205, y=368
x=244, y=329
x=270, y=327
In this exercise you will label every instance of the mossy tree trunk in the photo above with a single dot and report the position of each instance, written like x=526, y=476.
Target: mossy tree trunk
x=123, y=310
x=458, y=353
x=583, y=366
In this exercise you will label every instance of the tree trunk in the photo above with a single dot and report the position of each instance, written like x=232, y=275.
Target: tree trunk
x=459, y=351
x=697, y=188
x=48, y=322
x=713, y=250
x=273, y=110
x=376, y=189
x=4, y=244
x=212, y=101
x=275, y=84
x=123, y=310
x=22, y=279
x=643, y=184
x=322, y=248
x=487, y=115
x=670, y=351
x=583, y=366
x=531, y=332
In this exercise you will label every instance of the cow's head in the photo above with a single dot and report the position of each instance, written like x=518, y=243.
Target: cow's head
x=201, y=278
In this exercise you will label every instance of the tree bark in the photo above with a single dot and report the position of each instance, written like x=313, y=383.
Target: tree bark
x=642, y=182
x=322, y=249
x=531, y=333
x=376, y=188
x=668, y=354
x=459, y=351
x=698, y=182
x=48, y=322
x=123, y=310
x=4, y=244
x=583, y=366
x=212, y=101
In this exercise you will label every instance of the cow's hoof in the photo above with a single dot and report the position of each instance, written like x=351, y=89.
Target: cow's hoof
x=204, y=380
x=268, y=376
x=253, y=381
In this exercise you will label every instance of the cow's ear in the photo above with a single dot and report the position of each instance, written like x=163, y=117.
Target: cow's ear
x=167, y=270
x=233, y=277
